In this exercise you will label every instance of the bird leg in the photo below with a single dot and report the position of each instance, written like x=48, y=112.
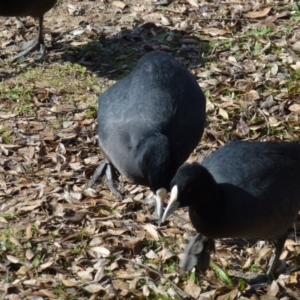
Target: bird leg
x=99, y=172
x=34, y=45
x=261, y=280
x=197, y=253
x=275, y=258
x=110, y=175
x=108, y=168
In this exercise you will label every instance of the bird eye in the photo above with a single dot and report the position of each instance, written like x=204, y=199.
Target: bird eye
x=188, y=189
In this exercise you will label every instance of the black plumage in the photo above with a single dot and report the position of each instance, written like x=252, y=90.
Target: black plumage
x=34, y=8
x=151, y=121
x=245, y=189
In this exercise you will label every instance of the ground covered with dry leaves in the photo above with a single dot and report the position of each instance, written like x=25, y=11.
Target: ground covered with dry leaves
x=60, y=241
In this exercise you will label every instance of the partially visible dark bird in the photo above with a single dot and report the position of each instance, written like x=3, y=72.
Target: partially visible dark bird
x=150, y=122
x=245, y=189
x=34, y=8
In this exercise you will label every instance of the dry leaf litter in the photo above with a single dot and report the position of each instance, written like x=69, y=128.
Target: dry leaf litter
x=61, y=241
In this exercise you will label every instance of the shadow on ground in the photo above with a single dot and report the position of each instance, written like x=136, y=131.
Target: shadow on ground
x=115, y=56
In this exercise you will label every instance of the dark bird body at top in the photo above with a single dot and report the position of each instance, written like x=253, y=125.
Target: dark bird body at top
x=33, y=8
x=245, y=189
x=150, y=122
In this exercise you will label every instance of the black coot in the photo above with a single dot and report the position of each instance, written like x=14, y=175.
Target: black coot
x=150, y=122
x=245, y=189
x=34, y=8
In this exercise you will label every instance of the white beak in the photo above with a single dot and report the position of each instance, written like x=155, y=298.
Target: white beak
x=173, y=204
x=160, y=197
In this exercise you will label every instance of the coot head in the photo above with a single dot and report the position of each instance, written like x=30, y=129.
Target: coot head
x=190, y=183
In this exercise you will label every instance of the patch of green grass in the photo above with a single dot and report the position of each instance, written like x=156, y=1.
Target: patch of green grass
x=76, y=251
x=119, y=58
x=19, y=96
x=203, y=46
x=57, y=123
x=222, y=274
x=91, y=113
x=257, y=49
x=35, y=227
x=72, y=83
x=220, y=46
x=36, y=261
x=67, y=293
x=37, y=247
x=10, y=216
x=151, y=245
x=261, y=32
x=124, y=57
x=141, y=282
x=193, y=277
x=242, y=284
x=62, y=263
x=293, y=83
x=17, y=92
x=82, y=236
x=295, y=8
x=60, y=288
x=163, y=37
x=154, y=296
x=295, y=17
x=6, y=245
x=254, y=268
x=6, y=136
x=162, y=8
x=95, y=50
x=111, y=258
x=25, y=109
x=98, y=89
x=171, y=265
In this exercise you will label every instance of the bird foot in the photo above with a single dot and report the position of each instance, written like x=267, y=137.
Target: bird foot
x=106, y=167
x=258, y=279
x=99, y=172
x=275, y=262
x=30, y=47
x=276, y=268
x=197, y=253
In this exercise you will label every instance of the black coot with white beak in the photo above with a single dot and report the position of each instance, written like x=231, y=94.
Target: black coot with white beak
x=150, y=122
x=245, y=189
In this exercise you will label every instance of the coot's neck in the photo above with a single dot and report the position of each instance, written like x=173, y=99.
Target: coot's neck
x=154, y=159
x=210, y=201
x=207, y=208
